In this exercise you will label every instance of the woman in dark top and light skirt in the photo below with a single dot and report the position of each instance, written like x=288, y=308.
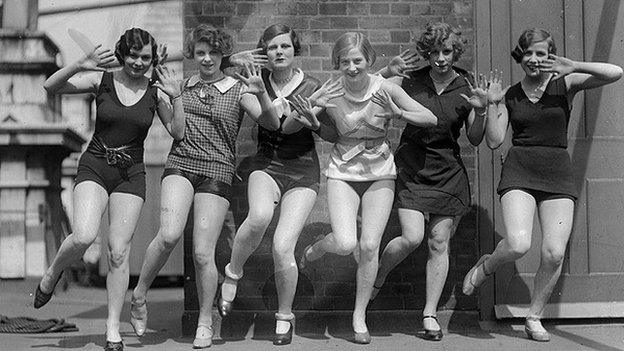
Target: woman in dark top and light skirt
x=537, y=172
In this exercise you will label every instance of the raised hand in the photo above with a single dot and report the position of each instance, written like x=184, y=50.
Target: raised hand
x=558, y=65
x=403, y=63
x=495, y=92
x=253, y=81
x=162, y=53
x=329, y=90
x=383, y=99
x=250, y=57
x=479, y=91
x=96, y=60
x=166, y=81
x=304, y=113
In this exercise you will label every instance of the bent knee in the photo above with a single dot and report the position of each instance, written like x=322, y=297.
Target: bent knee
x=117, y=257
x=519, y=248
x=345, y=247
x=438, y=245
x=168, y=238
x=553, y=256
x=259, y=220
x=204, y=258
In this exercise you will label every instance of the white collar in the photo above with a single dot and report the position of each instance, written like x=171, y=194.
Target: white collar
x=222, y=85
x=289, y=87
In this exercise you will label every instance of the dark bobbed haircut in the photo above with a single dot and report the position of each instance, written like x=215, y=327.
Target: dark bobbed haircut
x=435, y=35
x=353, y=40
x=135, y=38
x=529, y=37
x=217, y=38
x=275, y=30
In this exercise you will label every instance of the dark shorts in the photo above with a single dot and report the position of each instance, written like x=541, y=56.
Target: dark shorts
x=129, y=180
x=539, y=195
x=287, y=182
x=202, y=184
x=360, y=187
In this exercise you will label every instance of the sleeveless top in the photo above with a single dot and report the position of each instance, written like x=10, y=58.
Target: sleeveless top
x=118, y=125
x=538, y=159
x=213, y=119
x=428, y=158
x=362, y=151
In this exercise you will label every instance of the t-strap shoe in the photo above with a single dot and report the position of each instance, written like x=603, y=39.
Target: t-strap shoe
x=203, y=337
x=225, y=306
x=430, y=334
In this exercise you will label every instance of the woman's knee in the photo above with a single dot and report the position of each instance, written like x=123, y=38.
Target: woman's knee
x=553, y=256
x=519, y=244
x=283, y=251
x=344, y=246
x=259, y=219
x=369, y=248
x=117, y=255
x=204, y=258
x=83, y=238
x=438, y=244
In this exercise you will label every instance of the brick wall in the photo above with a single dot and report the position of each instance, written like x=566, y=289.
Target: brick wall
x=391, y=27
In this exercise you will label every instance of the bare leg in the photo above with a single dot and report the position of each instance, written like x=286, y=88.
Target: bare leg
x=556, y=218
x=376, y=207
x=296, y=206
x=518, y=211
x=210, y=211
x=123, y=213
x=90, y=201
x=440, y=233
x=412, y=233
x=343, y=203
x=175, y=203
x=263, y=195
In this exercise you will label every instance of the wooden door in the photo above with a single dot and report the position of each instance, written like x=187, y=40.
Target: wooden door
x=592, y=280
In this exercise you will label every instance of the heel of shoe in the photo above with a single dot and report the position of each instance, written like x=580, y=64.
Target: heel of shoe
x=138, y=316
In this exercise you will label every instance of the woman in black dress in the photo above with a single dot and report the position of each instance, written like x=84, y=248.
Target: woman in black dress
x=537, y=172
x=432, y=182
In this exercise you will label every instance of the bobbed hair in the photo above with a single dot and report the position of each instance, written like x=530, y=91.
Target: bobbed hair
x=353, y=40
x=528, y=38
x=217, y=38
x=279, y=29
x=135, y=38
x=436, y=35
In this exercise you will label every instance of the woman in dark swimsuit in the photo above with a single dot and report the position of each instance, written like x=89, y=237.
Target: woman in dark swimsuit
x=432, y=182
x=285, y=171
x=537, y=172
x=111, y=172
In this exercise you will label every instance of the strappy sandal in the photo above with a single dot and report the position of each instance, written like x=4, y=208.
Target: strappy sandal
x=285, y=338
x=470, y=285
x=138, y=316
x=224, y=306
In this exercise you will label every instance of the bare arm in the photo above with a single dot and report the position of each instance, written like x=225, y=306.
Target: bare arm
x=580, y=75
x=256, y=101
x=496, y=125
x=170, y=106
x=402, y=106
x=65, y=81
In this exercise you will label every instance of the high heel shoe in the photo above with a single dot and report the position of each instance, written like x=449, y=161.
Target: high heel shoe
x=225, y=306
x=362, y=338
x=138, y=316
x=470, y=284
x=203, y=337
x=430, y=334
x=42, y=298
x=285, y=338
x=113, y=345
x=536, y=334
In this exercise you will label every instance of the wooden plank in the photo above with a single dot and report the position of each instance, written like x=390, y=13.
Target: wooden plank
x=12, y=206
x=566, y=310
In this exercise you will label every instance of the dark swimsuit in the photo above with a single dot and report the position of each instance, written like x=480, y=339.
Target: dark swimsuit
x=431, y=177
x=290, y=159
x=114, y=157
x=538, y=161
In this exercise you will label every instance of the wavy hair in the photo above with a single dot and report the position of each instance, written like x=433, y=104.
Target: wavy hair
x=218, y=39
x=529, y=37
x=279, y=29
x=135, y=38
x=353, y=40
x=436, y=35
